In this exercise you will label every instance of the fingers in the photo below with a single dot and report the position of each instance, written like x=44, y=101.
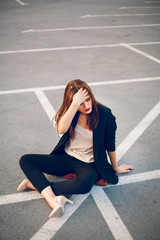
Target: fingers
x=83, y=94
x=80, y=96
x=127, y=167
x=84, y=91
x=130, y=167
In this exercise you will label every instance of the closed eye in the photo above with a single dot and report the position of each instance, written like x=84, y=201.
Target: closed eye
x=87, y=100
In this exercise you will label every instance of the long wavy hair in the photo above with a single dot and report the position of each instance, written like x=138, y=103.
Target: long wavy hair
x=72, y=88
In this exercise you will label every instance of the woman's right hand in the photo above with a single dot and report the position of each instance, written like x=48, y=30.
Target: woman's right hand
x=65, y=122
x=80, y=96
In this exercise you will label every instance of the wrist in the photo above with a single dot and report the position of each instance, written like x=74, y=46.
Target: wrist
x=75, y=105
x=115, y=168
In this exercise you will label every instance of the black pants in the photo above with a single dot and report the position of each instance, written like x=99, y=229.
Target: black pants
x=34, y=165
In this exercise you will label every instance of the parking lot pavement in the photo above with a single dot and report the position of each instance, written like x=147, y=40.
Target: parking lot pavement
x=114, y=46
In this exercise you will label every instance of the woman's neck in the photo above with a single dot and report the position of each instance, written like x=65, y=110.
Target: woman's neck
x=82, y=120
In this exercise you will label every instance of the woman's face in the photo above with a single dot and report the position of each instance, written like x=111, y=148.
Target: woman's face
x=86, y=106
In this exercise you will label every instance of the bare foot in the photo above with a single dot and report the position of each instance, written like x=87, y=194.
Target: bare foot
x=25, y=184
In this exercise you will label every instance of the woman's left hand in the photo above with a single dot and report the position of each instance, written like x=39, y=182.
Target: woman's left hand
x=123, y=168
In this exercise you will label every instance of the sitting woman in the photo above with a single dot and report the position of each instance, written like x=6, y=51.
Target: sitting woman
x=88, y=129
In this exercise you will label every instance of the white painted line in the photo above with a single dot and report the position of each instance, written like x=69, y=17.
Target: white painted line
x=72, y=48
x=123, y=180
x=152, y=1
x=90, y=28
x=50, y=228
x=19, y=197
x=121, y=15
x=45, y=104
x=23, y=90
x=54, y=87
x=128, y=142
x=110, y=215
x=136, y=80
x=47, y=107
x=141, y=52
x=92, y=84
x=135, y=178
x=138, y=7
x=58, y=49
x=144, y=43
x=21, y=3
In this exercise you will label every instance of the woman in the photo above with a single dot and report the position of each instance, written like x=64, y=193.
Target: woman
x=88, y=130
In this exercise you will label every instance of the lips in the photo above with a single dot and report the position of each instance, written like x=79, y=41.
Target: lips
x=87, y=110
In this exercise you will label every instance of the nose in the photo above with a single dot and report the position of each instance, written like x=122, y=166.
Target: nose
x=85, y=104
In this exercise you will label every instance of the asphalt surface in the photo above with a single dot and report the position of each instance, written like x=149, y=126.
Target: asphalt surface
x=45, y=44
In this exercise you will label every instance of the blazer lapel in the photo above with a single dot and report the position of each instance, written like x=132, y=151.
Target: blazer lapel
x=96, y=142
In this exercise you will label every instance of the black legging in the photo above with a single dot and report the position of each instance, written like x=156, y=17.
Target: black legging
x=34, y=165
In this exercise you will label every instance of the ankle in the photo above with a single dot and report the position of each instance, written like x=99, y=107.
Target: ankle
x=27, y=183
x=49, y=196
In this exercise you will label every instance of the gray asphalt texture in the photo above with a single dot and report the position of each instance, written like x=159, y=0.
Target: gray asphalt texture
x=25, y=127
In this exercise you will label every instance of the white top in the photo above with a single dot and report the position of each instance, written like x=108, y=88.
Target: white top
x=81, y=147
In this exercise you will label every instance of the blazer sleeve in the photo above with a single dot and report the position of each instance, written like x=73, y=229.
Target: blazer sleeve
x=110, y=133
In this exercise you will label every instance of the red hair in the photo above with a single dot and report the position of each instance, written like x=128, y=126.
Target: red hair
x=71, y=88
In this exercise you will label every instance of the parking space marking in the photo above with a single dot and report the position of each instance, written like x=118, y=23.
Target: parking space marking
x=72, y=48
x=110, y=215
x=45, y=103
x=120, y=15
x=128, y=142
x=137, y=7
x=134, y=80
x=123, y=180
x=152, y=1
x=16, y=91
x=90, y=28
x=143, y=43
x=19, y=197
x=57, y=49
x=138, y=177
x=92, y=84
x=21, y=3
x=141, y=52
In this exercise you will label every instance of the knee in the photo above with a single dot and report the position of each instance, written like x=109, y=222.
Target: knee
x=85, y=187
x=24, y=160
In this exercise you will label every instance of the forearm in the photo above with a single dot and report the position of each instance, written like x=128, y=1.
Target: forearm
x=113, y=158
x=67, y=118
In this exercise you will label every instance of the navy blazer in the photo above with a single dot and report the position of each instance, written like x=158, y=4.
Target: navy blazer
x=103, y=139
